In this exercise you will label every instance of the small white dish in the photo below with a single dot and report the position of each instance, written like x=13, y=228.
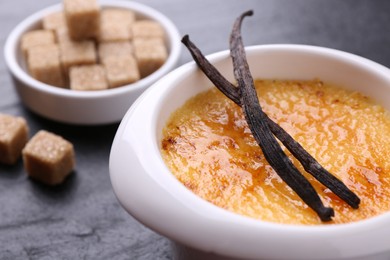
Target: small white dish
x=150, y=193
x=78, y=107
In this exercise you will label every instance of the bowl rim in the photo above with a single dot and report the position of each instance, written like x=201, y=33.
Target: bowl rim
x=157, y=92
x=13, y=40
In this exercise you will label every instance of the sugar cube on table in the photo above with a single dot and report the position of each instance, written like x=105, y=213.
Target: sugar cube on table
x=82, y=18
x=150, y=54
x=88, y=77
x=36, y=38
x=74, y=53
x=13, y=137
x=121, y=70
x=43, y=63
x=115, y=25
x=114, y=49
x=147, y=29
x=48, y=158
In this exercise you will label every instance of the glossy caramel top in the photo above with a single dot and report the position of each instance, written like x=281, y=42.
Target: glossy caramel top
x=208, y=147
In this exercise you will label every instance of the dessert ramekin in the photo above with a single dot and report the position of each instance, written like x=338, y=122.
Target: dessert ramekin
x=150, y=193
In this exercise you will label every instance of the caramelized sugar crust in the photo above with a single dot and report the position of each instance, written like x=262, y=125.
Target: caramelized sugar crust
x=208, y=147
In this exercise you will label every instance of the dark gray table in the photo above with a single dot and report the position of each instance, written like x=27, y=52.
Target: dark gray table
x=82, y=219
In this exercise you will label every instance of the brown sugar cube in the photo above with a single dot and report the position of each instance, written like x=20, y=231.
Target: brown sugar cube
x=54, y=21
x=13, y=137
x=88, y=77
x=147, y=29
x=121, y=70
x=150, y=54
x=43, y=63
x=74, y=53
x=115, y=25
x=127, y=17
x=114, y=49
x=48, y=158
x=36, y=38
x=82, y=18
x=62, y=35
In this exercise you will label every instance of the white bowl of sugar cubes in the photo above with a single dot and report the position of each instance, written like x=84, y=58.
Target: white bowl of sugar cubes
x=86, y=61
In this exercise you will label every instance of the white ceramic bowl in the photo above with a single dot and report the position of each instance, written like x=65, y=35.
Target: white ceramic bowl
x=151, y=194
x=79, y=107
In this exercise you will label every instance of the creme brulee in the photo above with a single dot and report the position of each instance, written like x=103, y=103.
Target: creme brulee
x=208, y=147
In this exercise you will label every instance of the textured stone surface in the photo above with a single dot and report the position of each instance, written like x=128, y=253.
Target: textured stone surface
x=82, y=219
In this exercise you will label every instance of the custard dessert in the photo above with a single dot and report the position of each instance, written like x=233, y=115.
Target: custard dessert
x=208, y=147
